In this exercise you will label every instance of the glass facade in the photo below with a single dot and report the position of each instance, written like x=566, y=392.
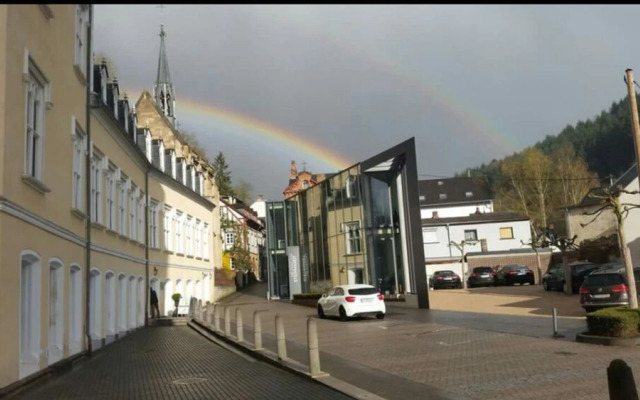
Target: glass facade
x=361, y=225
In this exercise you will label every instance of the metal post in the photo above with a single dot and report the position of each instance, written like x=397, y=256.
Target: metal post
x=282, y=344
x=622, y=386
x=239, y=328
x=227, y=321
x=257, y=330
x=314, y=352
x=555, y=324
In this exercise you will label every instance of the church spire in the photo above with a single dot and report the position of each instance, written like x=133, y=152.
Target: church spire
x=163, y=89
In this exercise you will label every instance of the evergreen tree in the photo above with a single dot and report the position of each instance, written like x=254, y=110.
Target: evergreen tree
x=222, y=175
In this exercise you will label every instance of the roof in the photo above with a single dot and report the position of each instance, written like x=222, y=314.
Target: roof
x=313, y=176
x=479, y=218
x=523, y=251
x=453, y=190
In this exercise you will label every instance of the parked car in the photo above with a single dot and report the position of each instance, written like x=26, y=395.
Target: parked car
x=445, y=279
x=346, y=301
x=607, y=287
x=512, y=274
x=554, y=278
x=481, y=276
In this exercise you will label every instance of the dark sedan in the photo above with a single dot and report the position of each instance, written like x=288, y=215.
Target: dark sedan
x=445, y=279
x=512, y=274
x=481, y=276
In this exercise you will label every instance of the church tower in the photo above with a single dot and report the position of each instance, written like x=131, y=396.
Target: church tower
x=163, y=89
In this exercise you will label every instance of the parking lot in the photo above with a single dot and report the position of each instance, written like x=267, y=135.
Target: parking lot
x=508, y=300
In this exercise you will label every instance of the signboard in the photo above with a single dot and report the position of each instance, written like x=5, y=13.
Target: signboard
x=295, y=283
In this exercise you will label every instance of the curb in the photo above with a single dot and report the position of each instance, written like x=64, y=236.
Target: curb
x=243, y=349
x=607, y=341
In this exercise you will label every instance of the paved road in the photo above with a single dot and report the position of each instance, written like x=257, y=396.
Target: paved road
x=408, y=353
x=175, y=363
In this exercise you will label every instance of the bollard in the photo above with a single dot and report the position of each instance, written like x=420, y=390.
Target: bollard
x=621, y=383
x=216, y=317
x=555, y=324
x=282, y=344
x=257, y=330
x=239, y=329
x=227, y=321
x=314, y=351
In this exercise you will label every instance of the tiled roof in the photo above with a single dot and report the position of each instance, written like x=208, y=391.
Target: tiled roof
x=453, y=190
x=479, y=218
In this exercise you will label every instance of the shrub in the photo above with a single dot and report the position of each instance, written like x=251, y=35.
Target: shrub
x=614, y=322
x=176, y=297
x=307, y=296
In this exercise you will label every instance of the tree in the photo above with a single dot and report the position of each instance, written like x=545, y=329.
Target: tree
x=610, y=200
x=222, y=175
x=243, y=190
x=574, y=179
x=239, y=252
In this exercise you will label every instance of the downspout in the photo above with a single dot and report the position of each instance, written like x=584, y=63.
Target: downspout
x=146, y=244
x=88, y=184
x=449, y=241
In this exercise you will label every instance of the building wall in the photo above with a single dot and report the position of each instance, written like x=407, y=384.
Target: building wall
x=632, y=222
x=439, y=247
x=457, y=210
x=605, y=222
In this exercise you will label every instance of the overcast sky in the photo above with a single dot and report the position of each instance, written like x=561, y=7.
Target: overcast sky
x=470, y=83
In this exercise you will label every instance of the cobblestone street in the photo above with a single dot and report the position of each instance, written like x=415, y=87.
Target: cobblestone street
x=174, y=363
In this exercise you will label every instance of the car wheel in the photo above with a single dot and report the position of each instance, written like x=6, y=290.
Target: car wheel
x=320, y=312
x=343, y=314
x=380, y=315
x=545, y=285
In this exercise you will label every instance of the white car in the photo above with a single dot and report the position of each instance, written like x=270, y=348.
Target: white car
x=346, y=301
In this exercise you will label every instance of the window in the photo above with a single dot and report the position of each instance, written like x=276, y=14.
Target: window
x=471, y=235
x=228, y=238
x=179, y=229
x=422, y=197
x=506, y=233
x=442, y=196
x=153, y=224
x=305, y=184
x=35, y=97
x=122, y=205
x=189, y=234
x=205, y=242
x=429, y=235
x=351, y=190
x=353, y=237
x=133, y=193
x=78, y=166
x=82, y=24
x=167, y=229
x=469, y=194
x=96, y=186
x=198, y=235
x=111, y=197
x=141, y=230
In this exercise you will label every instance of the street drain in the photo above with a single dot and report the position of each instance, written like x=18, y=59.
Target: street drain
x=565, y=353
x=188, y=381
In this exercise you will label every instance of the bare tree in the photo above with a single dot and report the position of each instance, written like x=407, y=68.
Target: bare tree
x=460, y=246
x=610, y=200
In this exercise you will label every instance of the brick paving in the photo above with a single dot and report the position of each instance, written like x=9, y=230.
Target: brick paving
x=174, y=363
x=404, y=356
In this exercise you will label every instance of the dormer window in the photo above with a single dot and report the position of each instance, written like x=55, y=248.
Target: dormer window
x=469, y=194
x=193, y=178
x=440, y=183
x=161, y=156
x=174, y=170
x=422, y=197
x=184, y=170
x=305, y=184
x=147, y=143
x=103, y=83
x=125, y=111
x=115, y=99
x=442, y=196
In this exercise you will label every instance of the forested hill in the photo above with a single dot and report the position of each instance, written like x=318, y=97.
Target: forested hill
x=604, y=142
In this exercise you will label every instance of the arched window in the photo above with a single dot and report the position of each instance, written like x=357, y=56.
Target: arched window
x=56, y=313
x=75, y=309
x=30, y=312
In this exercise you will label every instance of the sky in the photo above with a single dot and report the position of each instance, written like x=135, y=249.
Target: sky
x=332, y=85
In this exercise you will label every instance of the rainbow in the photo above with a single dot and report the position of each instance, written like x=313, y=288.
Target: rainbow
x=221, y=117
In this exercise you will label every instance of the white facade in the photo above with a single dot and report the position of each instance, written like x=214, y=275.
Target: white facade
x=437, y=239
x=632, y=222
x=461, y=210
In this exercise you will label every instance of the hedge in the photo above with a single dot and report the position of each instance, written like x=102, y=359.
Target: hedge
x=307, y=296
x=614, y=322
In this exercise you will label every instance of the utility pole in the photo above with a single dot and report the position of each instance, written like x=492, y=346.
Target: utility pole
x=460, y=246
x=633, y=301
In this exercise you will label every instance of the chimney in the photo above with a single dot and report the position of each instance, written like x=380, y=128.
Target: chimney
x=294, y=170
x=478, y=210
x=260, y=198
x=435, y=215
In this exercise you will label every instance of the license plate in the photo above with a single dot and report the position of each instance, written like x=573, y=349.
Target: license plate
x=521, y=273
x=485, y=275
x=366, y=300
x=600, y=296
x=447, y=278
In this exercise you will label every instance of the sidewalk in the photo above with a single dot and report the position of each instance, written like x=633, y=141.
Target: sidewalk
x=159, y=363
x=408, y=355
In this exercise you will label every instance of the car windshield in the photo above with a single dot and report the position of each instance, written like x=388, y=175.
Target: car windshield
x=603, y=280
x=363, y=291
x=483, y=269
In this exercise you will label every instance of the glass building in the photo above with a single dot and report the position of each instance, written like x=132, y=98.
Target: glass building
x=361, y=225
